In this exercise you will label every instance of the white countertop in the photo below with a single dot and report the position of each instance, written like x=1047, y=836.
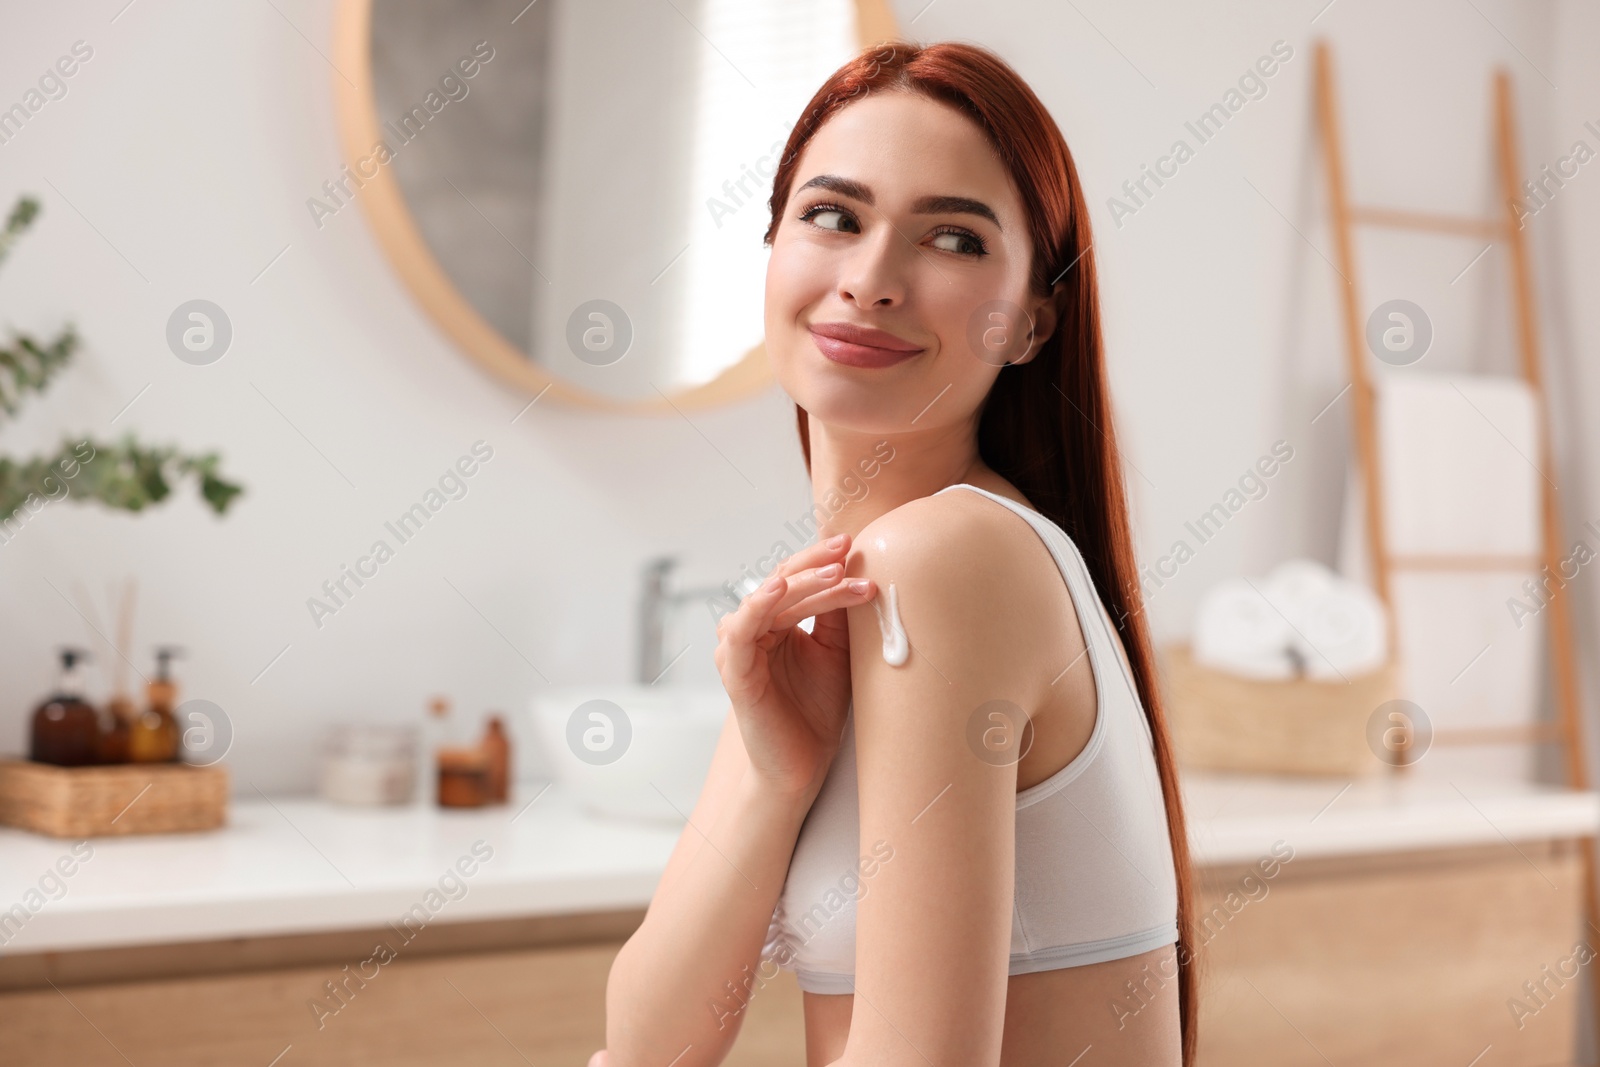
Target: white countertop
x=302, y=865
x=1237, y=818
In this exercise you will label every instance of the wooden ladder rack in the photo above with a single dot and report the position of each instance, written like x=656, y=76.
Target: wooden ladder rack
x=1506, y=229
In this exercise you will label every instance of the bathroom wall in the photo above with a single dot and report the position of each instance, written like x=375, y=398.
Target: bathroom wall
x=1575, y=319
x=178, y=166
x=1220, y=290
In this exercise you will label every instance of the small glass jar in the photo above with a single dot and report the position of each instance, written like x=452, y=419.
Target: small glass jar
x=369, y=765
x=463, y=778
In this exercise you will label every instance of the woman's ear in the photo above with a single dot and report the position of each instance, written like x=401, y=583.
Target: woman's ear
x=1042, y=315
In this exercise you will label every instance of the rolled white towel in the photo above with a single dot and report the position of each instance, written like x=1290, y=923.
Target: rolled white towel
x=1237, y=631
x=1344, y=633
x=1339, y=625
x=1295, y=585
x=1302, y=619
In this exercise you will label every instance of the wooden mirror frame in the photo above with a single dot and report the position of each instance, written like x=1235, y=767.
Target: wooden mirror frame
x=408, y=253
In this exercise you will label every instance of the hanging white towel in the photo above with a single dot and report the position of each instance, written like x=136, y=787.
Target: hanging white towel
x=1457, y=455
x=1458, y=463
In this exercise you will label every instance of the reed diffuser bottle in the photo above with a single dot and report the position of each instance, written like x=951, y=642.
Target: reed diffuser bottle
x=120, y=710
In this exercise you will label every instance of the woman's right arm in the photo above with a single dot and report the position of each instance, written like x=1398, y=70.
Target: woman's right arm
x=669, y=990
x=678, y=987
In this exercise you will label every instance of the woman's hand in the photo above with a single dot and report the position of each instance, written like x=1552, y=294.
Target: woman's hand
x=600, y=1059
x=790, y=689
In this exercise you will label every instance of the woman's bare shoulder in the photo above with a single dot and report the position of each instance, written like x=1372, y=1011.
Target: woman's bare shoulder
x=950, y=534
x=970, y=578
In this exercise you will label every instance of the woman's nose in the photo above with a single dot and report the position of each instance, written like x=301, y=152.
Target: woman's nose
x=875, y=273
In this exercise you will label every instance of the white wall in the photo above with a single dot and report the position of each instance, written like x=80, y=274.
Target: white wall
x=189, y=143
x=1220, y=297
x=191, y=140
x=1574, y=322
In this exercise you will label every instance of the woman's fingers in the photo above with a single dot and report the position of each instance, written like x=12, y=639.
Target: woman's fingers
x=737, y=633
x=794, y=581
x=799, y=588
x=845, y=594
x=817, y=555
x=773, y=607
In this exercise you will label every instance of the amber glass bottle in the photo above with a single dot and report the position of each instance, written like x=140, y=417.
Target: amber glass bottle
x=153, y=734
x=498, y=748
x=66, y=729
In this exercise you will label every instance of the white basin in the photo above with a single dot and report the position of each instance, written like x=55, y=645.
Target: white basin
x=647, y=760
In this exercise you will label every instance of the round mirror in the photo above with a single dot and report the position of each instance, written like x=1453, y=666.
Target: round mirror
x=576, y=190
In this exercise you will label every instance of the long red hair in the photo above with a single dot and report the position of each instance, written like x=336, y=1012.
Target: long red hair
x=1047, y=424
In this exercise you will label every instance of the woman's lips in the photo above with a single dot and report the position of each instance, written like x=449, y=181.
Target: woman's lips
x=859, y=346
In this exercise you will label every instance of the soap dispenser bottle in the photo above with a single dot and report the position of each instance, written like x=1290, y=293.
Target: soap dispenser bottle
x=66, y=729
x=153, y=734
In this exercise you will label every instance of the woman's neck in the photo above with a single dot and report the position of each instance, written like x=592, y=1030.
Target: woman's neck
x=856, y=477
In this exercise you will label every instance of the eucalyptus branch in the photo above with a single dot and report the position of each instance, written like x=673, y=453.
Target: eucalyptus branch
x=124, y=475
x=31, y=366
x=17, y=223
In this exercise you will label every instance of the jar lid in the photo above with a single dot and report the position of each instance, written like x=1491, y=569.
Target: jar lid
x=463, y=759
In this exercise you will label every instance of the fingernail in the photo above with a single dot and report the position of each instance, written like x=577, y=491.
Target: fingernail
x=772, y=584
x=859, y=585
x=835, y=541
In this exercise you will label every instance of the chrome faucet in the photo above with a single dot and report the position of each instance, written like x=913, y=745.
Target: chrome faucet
x=656, y=604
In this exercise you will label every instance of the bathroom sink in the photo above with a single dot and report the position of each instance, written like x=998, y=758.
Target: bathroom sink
x=628, y=750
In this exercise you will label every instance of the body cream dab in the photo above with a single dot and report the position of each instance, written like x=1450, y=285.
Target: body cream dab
x=895, y=645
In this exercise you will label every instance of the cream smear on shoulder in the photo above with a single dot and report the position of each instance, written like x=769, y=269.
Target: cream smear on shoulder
x=895, y=646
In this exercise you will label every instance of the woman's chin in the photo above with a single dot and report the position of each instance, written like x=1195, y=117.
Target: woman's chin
x=857, y=410
x=876, y=401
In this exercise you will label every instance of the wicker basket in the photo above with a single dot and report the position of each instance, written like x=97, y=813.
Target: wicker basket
x=124, y=798
x=1225, y=722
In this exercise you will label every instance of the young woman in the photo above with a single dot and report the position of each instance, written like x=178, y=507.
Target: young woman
x=950, y=806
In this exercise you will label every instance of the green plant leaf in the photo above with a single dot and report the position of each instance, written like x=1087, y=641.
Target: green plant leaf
x=22, y=215
x=31, y=366
x=126, y=475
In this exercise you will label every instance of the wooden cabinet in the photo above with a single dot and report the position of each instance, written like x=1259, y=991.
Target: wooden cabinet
x=462, y=994
x=1395, y=959
x=1403, y=959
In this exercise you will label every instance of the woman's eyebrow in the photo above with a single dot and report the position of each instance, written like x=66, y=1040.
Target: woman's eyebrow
x=927, y=205
x=955, y=205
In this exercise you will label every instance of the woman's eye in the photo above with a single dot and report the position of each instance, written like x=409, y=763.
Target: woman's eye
x=961, y=243
x=831, y=218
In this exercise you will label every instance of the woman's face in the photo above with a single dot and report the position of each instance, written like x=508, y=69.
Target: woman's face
x=899, y=270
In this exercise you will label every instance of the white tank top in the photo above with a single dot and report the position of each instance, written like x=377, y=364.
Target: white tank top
x=1094, y=871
